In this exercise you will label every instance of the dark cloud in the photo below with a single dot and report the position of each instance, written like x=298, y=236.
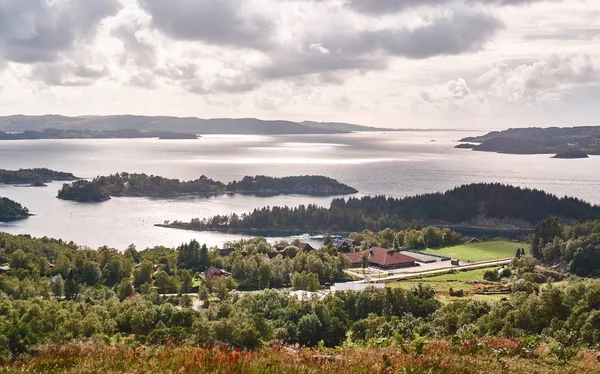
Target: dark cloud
x=370, y=50
x=219, y=22
x=38, y=30
x=379, y=7
x=68, y=73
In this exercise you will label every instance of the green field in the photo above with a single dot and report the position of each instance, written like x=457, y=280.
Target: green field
x=482, y=251
x=457, y=281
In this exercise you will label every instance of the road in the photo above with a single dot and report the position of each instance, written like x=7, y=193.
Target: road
x=426, y=270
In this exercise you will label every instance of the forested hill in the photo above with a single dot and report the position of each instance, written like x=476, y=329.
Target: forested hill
x=32, y=176
x=142, y=185
x=468, y=202
x=535, y=140
x=11, y=210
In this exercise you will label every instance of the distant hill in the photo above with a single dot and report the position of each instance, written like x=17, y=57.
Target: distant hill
x=342, y=126
x=535, y=140
x=19, y=123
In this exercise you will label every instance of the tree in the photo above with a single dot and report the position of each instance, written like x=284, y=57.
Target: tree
x=58, y=286
x=143, y=273
x=124, y=289
x=186, y=281
x=364, y=260
x=309, y=329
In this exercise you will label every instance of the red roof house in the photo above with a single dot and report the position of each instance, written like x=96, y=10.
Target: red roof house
x=383, y=258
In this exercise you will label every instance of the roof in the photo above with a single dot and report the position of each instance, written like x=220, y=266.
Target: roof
x=305, y=246
x=340, y=242
x=212, y=271
x=469, y=239
x=381, y=256
x=4, y=268
x=224, y=252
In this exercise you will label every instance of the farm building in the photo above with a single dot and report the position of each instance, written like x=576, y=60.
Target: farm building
x=383, y=258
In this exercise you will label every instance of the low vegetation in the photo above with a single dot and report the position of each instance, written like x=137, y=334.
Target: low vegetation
x=469, y=356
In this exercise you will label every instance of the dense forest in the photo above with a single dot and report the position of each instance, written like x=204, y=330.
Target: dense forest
x=575, y=248
x=91, y=134
x=376, y=213
x=33, y=176
x=125, y=184
x=56, y=292
x=11, y=210
x=583, y=140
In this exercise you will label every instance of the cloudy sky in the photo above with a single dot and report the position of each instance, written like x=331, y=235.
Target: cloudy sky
x=391, y=63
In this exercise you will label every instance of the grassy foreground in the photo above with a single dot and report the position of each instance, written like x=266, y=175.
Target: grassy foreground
x=482, y=251
x=491, y=356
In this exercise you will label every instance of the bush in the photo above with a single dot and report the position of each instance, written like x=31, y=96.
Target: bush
x=491, y=275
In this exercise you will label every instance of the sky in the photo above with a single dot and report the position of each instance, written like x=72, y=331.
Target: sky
x=476, y=64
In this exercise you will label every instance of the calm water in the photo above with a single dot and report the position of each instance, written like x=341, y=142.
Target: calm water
x=396, y=164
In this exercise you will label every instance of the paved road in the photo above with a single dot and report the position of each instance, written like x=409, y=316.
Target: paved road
x=424, y=270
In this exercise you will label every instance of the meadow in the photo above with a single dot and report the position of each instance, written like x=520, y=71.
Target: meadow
x=480, y=251
x=491, y=355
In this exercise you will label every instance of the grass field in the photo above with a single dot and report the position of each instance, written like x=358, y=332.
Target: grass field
x=482, y=251
x=457, y=281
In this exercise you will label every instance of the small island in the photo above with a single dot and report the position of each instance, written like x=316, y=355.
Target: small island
x=11, y=210
x=142, y=185
x=465, y=146
x=34, y=177
x=571, y=154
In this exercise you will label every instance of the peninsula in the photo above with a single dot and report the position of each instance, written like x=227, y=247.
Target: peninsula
x=11, y=210
x=143, y=185
x=34, y=177
x=569, y=141
x=92, y=134
x=474, y=205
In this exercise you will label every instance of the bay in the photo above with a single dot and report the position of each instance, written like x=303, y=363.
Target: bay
x=391, y=163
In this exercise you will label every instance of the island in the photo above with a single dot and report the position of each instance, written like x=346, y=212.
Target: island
x=570, y=141
x=34, y=177
x=571, y=154
x=11, y=210
x=478, y=206
x=92, y=134
x=142, y=185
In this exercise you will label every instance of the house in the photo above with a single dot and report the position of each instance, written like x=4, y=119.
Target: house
x=272, y=255
x=133, y=295
x=214, y=273
x=224, y=252
x=344, y=245
x=383, y=258
x=4, y=269
x=306, y=247
x=469, y=239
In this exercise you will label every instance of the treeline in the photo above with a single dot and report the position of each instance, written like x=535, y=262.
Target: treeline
x=11, y=210
x=427, y=237
x=576, y=248
x=125, y=184
x=379, y=212
x=32, y=176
